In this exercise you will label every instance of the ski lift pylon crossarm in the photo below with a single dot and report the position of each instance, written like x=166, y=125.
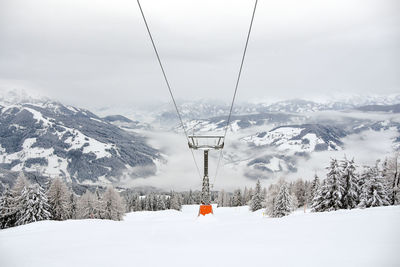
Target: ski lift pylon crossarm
x=195, y=142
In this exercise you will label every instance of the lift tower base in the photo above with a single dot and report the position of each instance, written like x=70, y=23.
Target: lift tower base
x=206, y=143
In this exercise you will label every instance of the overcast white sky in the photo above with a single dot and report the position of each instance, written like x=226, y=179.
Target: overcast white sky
x=97, y=53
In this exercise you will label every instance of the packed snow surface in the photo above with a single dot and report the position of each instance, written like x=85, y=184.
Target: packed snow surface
x=230, y=237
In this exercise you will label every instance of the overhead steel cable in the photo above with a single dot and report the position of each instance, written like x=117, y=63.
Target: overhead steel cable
x=167, y=82
x=236, y=86
x=172, y=96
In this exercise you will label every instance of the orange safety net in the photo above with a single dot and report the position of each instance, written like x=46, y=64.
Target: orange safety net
x=205, y=209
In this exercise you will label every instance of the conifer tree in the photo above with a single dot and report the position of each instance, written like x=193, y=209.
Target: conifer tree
x=168, y=201
x=160, y=203
x=350, y=198
x=8, y=209
x=190, y=200
x=237, y=198
x=174, y=202
x=138, y=203
x=257, y=199
x=148, y=203
x=331, y=192
x=300, y=192
x=374, y=193
x=283, y=202
x=33, y=205
x=314, y=188
x=335, y=190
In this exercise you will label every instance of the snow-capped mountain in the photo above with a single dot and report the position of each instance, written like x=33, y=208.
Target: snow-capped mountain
x=204, y=109
x=240, y=122
x=58, y=140
x=278, y=150
x=299, y=138
x=46, y=137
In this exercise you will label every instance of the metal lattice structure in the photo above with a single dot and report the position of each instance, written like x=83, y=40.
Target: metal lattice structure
x=206, y=143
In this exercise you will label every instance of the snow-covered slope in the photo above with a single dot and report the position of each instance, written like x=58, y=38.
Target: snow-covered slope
x=230, y=237
x=299, y=138
x=58, y=140
x=240, y=122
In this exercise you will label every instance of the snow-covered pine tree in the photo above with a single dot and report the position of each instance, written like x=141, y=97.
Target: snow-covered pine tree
x=131, y=202
x=334, y=187
x=374, y=193
x=154, y=201
x=168, y=201
x=149, y=202
x=237, y=198
x=157, y=202
x=174, y=202
x=364, y=184
x=197, y=197
x=300, y=192
x=315, y=184
x=86, y=206
x=57, y=195
x=318, y=203
x=112, y=205
x=330, y=194
x=33, y=205
x=160, y=203
x=257, y=199
x=8, y=209
x=190, y=200
x=283, y=202
x=138, y=203
x=349, y=178
x=180, y=199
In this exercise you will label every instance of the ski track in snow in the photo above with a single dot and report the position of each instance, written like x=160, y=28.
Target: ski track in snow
x=231, y=237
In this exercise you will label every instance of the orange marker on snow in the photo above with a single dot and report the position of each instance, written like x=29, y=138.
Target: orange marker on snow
x=205, y=209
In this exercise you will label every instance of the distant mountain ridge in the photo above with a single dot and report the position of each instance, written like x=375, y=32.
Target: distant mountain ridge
x=299, y=138
x=381, y=108
x=43, y=136
x=60, y=140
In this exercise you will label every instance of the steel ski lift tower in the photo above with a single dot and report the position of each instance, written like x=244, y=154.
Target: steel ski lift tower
x=205, y=143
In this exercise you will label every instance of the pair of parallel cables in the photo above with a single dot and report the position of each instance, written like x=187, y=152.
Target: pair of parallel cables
x=172, y=95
